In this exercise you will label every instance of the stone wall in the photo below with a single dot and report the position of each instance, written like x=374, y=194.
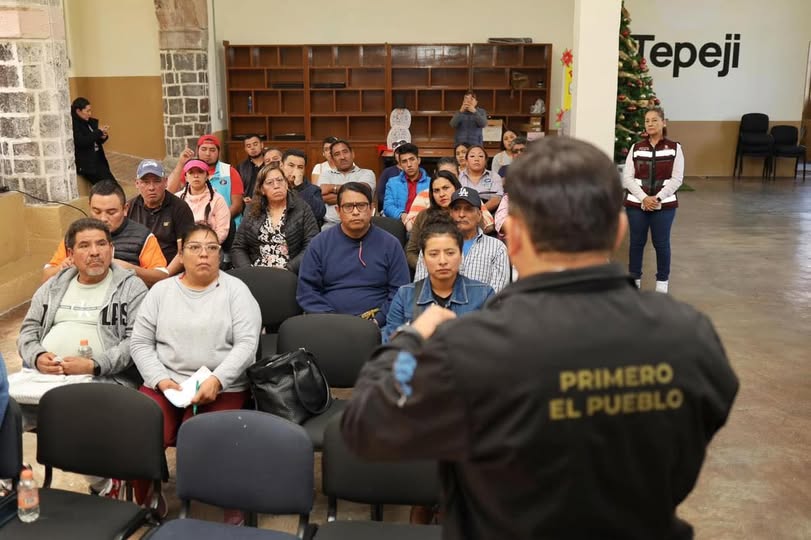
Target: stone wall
x=184, y=77
x=36, y=134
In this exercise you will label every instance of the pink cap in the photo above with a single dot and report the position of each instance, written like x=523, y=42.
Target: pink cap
x=195, y=164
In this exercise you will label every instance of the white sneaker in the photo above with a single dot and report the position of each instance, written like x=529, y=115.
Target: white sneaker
x=638, y=283
x=661, y=286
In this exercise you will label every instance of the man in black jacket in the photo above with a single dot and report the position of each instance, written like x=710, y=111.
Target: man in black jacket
x=572, y=405
x=249, y=168
x=294, y=165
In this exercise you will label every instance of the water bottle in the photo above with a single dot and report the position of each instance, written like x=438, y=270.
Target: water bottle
x=27, y=497
x=250, y=104
x=85, y=351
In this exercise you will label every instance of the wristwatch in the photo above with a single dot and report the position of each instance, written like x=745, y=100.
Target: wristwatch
x=96, y=369
x=658, y=199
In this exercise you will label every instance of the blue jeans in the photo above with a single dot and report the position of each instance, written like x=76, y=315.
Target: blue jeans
x=659, y=223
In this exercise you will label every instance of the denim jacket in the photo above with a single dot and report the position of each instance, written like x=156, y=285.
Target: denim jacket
x=468, y=295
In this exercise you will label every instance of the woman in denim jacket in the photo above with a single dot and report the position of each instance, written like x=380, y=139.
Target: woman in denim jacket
x=441, y=245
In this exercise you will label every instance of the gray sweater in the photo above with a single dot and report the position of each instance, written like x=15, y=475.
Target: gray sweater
x=115, y=323
x=179, y=330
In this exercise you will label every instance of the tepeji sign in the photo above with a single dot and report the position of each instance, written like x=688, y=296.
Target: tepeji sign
x=683, y=54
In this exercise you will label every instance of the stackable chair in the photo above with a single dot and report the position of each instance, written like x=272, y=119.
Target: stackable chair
x=247, y=460
x=341, y=345
x=753, y=140
x=347, y=477
x=11, y=458
x=275, y=291
x=786, y=145
x=392, y=226
x=102, y=430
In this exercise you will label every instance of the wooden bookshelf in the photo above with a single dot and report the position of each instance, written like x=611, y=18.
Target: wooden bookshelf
x=296, y=95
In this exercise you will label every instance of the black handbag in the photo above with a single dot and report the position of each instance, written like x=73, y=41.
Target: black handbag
x=290, y=385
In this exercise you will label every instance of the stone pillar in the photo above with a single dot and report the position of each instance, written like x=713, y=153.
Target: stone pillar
x=36, y=133
x=183, y=38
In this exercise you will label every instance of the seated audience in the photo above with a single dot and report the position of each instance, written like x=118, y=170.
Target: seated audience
x=224, y=178
x=484, y=257
x=320, y=168
x=519, y=145
x=423, y=200
x=355, y=268
x=249, y=168
x=272, y=155
x=206, y=205
x=401, y=190
x=476, y=176
x=441, y=244
x=202, y=317
x=517, y=148
x=389, y=172
x=161, y=212
x=460, y=151
x=438, y=199
x=504, y=157
x=136, y=248
x=345, y=171
x=278, y=226
x=573, y=407
x=294, y=165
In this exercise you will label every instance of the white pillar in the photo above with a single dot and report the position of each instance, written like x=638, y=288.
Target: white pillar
x=596, y=48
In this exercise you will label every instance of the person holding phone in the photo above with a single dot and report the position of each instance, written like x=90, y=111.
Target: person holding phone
x=469, y=121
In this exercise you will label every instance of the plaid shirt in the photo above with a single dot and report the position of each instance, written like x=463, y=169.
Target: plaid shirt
x=487, y=261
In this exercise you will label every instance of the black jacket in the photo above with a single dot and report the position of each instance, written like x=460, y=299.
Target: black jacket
x=87, y=137
x=299, y=228
x=311, y=194
x=572, y=406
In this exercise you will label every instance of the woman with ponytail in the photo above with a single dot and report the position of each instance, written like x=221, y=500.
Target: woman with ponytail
x=207, y=205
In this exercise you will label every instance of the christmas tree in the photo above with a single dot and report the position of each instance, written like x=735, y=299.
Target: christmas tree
x=634, y=92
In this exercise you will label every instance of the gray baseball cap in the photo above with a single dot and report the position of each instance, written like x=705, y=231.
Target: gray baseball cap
x=150, y=166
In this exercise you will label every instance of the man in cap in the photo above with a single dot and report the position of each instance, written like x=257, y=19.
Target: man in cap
x=160, y=211
x=485, y=258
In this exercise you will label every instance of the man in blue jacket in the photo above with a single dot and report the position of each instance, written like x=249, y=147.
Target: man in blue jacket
x=355, y=268
x=403, y=188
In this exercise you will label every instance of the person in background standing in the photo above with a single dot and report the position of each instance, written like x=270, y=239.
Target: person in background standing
x=469, y=121
x=653, y=172
x=251, y=165
x=88, y=142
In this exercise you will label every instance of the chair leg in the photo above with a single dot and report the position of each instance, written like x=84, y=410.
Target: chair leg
x=377, y=512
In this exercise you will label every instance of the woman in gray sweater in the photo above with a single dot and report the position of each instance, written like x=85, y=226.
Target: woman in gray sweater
x=199, y=318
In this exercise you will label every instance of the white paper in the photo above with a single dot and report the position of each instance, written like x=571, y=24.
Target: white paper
x=182, y=398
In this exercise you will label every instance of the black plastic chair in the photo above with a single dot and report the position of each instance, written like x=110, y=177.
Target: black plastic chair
x=392, y=226
x=345, y=476
x=753, y=140
x=275, y=291
x=341, y=345
x=102, y=430
x=249, y=460
x=11, y=442
x=786, y=145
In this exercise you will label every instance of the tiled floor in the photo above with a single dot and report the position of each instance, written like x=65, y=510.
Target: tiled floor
x=742, y=254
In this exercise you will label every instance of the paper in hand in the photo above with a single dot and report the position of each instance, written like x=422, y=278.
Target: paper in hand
x=182, y=398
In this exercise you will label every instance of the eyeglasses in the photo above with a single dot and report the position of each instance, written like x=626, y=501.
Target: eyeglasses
x=275, y=182
x=348, y=208
x=196, y=249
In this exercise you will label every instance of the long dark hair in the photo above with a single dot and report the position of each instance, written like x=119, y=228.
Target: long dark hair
x=210, y=197
x=259, y=204
x=78, y=103
x=443, y=175
x=440, y=224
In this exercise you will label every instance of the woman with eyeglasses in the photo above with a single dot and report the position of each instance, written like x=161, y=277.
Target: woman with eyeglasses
x=200, y=318
x=278, y=226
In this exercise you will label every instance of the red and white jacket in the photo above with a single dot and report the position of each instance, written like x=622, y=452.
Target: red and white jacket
x=653, y=171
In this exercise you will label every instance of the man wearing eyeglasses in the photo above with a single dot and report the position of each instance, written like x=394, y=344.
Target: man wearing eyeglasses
x=355, y=268
x=331, y=180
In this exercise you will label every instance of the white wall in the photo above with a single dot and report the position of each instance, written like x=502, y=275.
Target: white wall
x=112, y=38
x=773, y=54
x=368, y=21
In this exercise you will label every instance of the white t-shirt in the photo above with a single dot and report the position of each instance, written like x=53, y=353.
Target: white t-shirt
x=77, y=318
x=319, y=168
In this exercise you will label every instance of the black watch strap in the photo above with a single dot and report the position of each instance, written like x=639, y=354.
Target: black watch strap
x=96, y=369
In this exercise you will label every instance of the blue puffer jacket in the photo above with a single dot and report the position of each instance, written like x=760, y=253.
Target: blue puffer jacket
x=468, y=295
x=394, y=202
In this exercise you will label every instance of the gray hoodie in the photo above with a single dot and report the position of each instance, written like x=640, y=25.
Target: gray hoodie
x=115, y=323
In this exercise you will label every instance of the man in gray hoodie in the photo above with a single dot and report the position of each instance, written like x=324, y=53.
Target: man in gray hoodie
x=93, y=301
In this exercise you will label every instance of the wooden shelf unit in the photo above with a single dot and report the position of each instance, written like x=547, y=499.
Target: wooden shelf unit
x=349, y=90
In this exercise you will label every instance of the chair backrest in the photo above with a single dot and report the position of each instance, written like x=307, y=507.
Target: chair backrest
x=101, y=429
x=274, y=290
x=348, y=477
x=785, y=135
x=392, y=226
x=11, y=441
x=341, y=343
x=247, y=460
x=754, y=123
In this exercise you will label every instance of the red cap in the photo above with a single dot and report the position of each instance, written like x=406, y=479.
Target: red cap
x=208, y=139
